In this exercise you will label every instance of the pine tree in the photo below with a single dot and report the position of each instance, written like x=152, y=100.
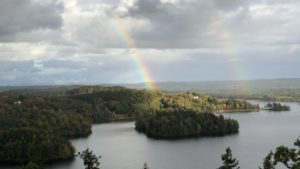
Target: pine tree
x=228, y=161
x=145, y=166
x=268, y=162
x=90, y=160
x=289, y=157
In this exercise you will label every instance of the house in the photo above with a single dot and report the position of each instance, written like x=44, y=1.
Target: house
x=18, y=102
x=196, y=97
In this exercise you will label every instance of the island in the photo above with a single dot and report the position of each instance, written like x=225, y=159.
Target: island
x=185, y=123
x=277, y=107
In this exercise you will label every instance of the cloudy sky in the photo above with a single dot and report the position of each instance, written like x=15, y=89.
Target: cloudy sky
x=110, y=41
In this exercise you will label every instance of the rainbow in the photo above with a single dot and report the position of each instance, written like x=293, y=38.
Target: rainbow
x=136, y=54
x=231, y=56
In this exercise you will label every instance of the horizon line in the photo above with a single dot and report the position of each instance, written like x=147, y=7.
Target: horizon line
x=140, y=83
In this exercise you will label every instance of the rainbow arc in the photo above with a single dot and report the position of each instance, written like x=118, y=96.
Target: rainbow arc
x=138, y=56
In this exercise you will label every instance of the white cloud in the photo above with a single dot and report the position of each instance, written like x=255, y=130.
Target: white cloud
x=24, y=51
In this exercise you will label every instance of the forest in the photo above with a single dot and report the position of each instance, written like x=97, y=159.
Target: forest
x=42, y=120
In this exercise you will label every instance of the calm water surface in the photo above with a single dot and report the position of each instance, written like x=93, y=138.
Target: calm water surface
x=121, y=147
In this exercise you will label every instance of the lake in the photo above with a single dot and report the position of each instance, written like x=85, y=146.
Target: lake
x=121, y=147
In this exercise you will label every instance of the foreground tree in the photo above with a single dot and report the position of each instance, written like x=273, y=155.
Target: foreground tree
x=145, y=166
x=268, y=163
x=228, y=161
x=289, y=157
x=90, y=160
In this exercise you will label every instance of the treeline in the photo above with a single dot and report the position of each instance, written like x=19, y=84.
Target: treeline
x=117, y=103
x=204, y=103
x=279, y=95
x=185, y=123
x=235, y=105
x=277, y=107
x=268, y=90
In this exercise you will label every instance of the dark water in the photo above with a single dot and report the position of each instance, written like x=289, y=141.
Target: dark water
x=121, y=147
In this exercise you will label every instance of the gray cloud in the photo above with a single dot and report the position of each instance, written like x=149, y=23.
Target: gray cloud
x=234, y=4
x=27, y=15
x=182, y=25
x=205, y=23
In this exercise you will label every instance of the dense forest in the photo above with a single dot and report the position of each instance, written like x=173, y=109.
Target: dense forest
x=36, y=128
x=185, y=123
x=277, y=107
x=37, y=122
x=31, y=144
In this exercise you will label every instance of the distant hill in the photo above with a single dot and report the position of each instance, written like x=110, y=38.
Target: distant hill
x=34, y=87
x=264, y=84
x=267, y=89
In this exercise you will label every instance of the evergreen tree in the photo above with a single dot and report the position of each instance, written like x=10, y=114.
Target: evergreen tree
x=90, y=160
x=268, y=162
x=228, y=161
x=145, y=166
x=289, y=157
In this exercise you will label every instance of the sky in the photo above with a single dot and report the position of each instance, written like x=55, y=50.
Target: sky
x=131, y=41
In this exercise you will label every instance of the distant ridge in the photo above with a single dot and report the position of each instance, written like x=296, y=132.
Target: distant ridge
x=284, y=89
x=234, y=85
